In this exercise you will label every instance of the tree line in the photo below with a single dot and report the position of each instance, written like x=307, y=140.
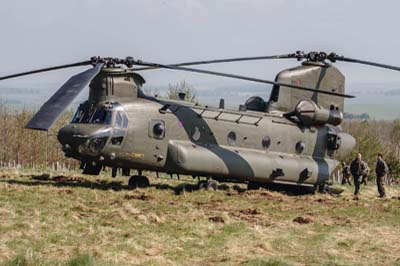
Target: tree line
x=28, y=148
x=373, y=137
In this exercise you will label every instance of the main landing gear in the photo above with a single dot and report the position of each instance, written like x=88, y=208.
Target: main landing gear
x=207, y=184
x=138, y=181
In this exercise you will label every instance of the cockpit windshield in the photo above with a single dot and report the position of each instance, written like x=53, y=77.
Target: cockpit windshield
x=99, y=115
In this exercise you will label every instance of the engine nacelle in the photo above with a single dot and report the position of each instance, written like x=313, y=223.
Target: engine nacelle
x=310, y=114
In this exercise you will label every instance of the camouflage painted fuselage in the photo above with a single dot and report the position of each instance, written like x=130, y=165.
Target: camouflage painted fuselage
x=181, y=138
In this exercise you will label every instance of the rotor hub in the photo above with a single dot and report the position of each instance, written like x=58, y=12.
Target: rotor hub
x=315, y=56
x=112, y=62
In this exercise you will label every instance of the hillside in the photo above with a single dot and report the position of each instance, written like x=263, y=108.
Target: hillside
x=75, y=220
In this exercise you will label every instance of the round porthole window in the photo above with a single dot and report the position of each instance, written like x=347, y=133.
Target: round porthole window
x=196, y=134
x=266, y=142
x=231, y=138
x=158, y=130
x=300, y=146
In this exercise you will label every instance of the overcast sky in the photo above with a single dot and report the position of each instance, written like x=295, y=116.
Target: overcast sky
x=49, y=32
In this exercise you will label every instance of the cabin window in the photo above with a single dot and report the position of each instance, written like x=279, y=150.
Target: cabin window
x=157, y=129
x=300, y=146
x=196, y=134
x=231, y=138
x=266, y=142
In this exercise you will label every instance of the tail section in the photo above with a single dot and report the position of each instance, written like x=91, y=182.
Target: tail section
x=317, y=75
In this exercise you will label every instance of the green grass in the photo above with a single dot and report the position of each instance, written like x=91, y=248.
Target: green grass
x=75, y=260
x=78, y=220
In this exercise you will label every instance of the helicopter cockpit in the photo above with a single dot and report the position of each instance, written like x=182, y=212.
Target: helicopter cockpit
x=94, y=127
x=90, y=114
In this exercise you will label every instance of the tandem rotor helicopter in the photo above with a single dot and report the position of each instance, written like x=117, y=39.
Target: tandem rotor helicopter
x=294, y=138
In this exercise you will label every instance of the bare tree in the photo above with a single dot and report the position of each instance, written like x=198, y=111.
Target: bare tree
x=181, y=87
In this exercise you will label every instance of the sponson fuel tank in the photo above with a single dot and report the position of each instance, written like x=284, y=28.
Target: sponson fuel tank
x=249, y=164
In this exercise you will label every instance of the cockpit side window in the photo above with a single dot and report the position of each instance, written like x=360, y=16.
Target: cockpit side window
x=78, y=115
x=125, y=121
x=118, y=119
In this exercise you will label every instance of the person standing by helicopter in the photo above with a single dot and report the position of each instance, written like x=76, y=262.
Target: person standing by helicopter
x=366, y=174
x=358, y=169
x=346, y=174
x=381, y=171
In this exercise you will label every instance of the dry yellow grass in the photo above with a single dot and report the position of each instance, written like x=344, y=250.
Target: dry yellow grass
x=54, y=218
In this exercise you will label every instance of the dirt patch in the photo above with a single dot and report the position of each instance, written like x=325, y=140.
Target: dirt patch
x=302, y=220
x=250, y=211
x=65, y=191
x=251, y=216
x=212, y=205
x=325, y=201
x=141, y=196
x=216, y=219
x=65, y=179
x=43, y=177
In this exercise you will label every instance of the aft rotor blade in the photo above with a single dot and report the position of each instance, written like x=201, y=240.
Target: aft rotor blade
x=83, y=63
x=55, y=106
x=226, y=60
x=352, y=60
x=299, y=87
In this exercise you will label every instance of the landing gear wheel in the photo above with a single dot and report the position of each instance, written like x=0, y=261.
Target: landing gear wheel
x=208, y=184
x=253, y=186
x=322, y=188
x=202, y=184
x=138, y=181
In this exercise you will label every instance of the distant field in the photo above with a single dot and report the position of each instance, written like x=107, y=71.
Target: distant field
x=76, y=220
x=377, y=111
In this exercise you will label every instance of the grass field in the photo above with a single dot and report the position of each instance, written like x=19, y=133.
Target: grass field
x=75, y=220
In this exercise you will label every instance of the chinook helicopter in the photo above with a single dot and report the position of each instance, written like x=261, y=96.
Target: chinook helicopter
x=294, y=138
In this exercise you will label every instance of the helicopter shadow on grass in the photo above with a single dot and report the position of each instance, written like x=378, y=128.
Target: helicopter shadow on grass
x=61, y=181
x=65, y=181
x=97, y=184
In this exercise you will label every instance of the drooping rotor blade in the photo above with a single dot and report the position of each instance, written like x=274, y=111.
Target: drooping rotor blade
x=352, y=60
x=227, y=60
x=83, y=63
x=55, y=106
x=299, y=87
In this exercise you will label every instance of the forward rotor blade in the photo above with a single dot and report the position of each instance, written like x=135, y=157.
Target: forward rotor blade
x=227, y=60
x=352, y=60
x=83, y=63
x=55, y=106
x=241, y=77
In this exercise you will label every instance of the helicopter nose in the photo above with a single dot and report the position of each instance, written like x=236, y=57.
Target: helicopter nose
x=86, y=140
x=70, y=138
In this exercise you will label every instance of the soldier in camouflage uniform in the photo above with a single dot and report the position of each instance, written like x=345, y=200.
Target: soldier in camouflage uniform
x=366, y=174
x=381, y=171
x=346, y=174
x=358, y=169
